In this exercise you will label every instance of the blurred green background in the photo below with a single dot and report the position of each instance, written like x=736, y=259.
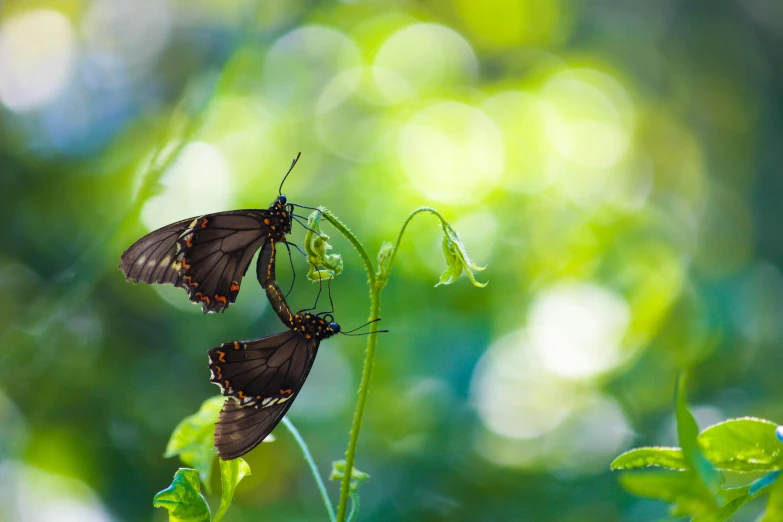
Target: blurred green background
x=615, y=164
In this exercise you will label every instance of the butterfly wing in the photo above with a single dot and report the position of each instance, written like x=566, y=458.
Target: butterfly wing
x=239, y=429
x=265, y=271
x=262, y=378
x=207, y=255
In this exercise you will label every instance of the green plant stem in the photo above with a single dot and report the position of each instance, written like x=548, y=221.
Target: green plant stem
x=313, y=468
x=377, y=281
x=345, y=231
x=369, y=362
x=393, y=254
x=364, y=389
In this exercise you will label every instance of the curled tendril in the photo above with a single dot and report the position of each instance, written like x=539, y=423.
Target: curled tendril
x=322, y=264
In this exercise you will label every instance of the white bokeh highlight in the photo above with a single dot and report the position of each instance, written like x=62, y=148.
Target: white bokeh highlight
x=37, y=58
x=577, y=329
x=451, y=152
x=28, y=494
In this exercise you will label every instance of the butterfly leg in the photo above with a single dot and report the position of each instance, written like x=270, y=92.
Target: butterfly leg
x=293, y=269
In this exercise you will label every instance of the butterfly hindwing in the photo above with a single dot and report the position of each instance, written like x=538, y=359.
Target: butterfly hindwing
x=261, y=378
x=239, y=429
x=207, y=255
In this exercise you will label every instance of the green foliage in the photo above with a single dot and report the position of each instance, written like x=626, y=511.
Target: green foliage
x=745, y=445
x=183, y=498
x=701, y=469
x=231, y=472
x=692, y=483
x=457, y=259
x=671, y=458
x=192, y=439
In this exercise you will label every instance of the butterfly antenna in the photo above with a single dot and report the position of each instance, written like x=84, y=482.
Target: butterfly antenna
x=309, y=208
x=349, y=332
x=280, y=190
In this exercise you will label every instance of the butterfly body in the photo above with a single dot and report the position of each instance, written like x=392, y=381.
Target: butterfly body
x=207, y=255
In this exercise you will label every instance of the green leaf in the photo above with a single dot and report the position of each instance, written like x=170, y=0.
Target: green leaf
x=192, y=439
x=671, y=458
x=231, y=472
x=687, y=433
x=456, y=258
x=338, y=472
x=322, y=264
x=183, y=498
x=677, y=488
x=735, y=498
x=745, y=444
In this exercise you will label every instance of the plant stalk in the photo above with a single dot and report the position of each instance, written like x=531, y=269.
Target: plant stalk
x=377, y=281
x=313, y=468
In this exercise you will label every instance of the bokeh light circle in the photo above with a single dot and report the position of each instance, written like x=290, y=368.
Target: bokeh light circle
x=577, y=329
x=299, y=64
x=451, y=152
x=37, y=57
x=514, y=395
x=200, y=181
x=427, y=57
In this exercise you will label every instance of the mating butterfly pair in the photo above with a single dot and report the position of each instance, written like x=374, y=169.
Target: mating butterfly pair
x=208, y=256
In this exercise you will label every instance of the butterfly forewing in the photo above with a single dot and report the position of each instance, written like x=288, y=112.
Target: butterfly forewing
x=207, y=255
x=263, y=371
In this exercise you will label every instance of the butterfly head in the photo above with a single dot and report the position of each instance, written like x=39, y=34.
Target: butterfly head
x=334, y=328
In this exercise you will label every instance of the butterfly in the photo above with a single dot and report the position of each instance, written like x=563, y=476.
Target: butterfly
x=261, y=378
x=208, y=255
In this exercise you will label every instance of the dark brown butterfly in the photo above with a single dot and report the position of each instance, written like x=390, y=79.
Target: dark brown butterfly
x=262, y=377
x=208, y=255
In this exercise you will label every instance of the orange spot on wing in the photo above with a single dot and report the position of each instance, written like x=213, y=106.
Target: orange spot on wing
x=190, y=281
x=236, y=345
x=228, y=384
x=285, y=392
x=204, y=222
x=307, y=336
x=189, y=240
x=234, y=287
x=266, y=221
x=222, y=357
x=220, y=299
x=183, y=263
